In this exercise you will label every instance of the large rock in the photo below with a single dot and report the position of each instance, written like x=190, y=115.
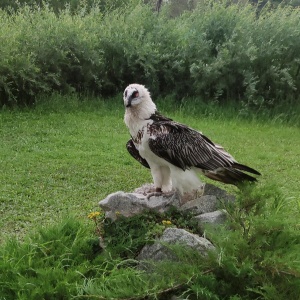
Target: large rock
x=129, y=204
x=160, y=251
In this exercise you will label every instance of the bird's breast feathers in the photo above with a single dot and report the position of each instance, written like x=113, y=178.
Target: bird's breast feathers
x=148, y=132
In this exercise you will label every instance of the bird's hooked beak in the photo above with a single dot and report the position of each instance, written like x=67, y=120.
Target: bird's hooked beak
x=130, y=96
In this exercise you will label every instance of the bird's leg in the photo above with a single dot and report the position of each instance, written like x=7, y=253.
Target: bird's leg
x=162, y=182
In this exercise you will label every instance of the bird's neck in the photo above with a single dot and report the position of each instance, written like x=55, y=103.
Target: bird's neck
x=139, y=113
x=137, y=117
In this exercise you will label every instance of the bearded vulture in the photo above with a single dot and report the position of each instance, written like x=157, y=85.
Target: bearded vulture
x=175, y=152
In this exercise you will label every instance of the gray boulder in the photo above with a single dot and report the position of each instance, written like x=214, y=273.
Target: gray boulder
x=203, y=201
x=160, y=251
x=130, y=204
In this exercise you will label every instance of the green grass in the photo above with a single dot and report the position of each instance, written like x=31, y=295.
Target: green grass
x=257, y=259
x=61, y=162
x=65, y=155
x=61, y=157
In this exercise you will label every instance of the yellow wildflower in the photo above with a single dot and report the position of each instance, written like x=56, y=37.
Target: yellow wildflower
x=94, y=215
x=166, y=222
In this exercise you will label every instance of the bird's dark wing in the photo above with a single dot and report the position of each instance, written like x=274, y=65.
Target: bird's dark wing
x=135, y=153
x=185, y=147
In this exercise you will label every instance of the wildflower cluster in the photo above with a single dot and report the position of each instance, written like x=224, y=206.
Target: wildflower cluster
x=98, y=218
x=166, y=222
x=94, y=215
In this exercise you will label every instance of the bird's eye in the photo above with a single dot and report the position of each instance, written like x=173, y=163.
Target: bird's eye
x=135, y=94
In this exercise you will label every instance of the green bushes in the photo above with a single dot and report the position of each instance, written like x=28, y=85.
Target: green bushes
x=242, y=56
x=59, y=5
x=46, y=53
x=215, y=51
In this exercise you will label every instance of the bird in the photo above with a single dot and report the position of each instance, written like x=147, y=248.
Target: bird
x=174, y=152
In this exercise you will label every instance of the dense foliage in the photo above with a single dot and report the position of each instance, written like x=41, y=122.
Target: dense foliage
x=59, y=5
x=215, y=51
x=106, y=5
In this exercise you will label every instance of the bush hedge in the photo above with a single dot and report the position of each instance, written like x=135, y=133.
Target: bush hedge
x=216, y=51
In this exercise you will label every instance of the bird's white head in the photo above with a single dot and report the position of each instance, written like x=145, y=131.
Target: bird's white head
x=138, y=102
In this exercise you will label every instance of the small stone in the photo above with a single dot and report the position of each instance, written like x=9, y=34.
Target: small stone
x=210, y=189
x=204, y=204
x=214, y=218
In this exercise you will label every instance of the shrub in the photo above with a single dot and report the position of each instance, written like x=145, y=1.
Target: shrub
x=257, y=257
x=59, y=5
x=216, y=51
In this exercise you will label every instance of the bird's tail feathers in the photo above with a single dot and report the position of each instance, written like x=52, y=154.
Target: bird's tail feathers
x=245, y=168
x=229, y=176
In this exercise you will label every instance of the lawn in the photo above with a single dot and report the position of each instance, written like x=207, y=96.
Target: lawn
x=61, y=159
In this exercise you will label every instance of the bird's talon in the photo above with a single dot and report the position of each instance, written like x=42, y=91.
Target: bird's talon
x=154, y=194
x=158, y=194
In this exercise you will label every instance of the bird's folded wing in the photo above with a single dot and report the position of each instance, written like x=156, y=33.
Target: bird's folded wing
x=135, y=153
x=186, y=148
